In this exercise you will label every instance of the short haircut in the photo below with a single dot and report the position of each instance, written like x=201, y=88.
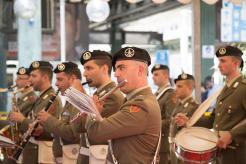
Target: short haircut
x=74, y=71
x=107, y=61
x=47, y=71
x=239, y=58
x=191, y=83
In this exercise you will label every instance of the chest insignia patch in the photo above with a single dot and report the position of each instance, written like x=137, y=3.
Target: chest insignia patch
x=134, y=109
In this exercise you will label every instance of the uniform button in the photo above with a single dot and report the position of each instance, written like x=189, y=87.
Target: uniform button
x=220, y=102
x=229, y=111
x=218, y=114
x=216, y=125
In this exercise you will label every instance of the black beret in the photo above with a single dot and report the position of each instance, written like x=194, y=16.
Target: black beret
x=184, y=76
x=159, y=67
x=23, y=71
x=132, y=53
x=96, y=54
x=229, y=51
x=65, y=66
x=40, y=64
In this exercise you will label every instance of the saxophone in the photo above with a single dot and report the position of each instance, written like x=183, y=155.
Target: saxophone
x=11, y=130
x=14, y=129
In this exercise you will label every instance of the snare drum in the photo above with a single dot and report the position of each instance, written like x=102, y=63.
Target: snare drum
x=196, y=145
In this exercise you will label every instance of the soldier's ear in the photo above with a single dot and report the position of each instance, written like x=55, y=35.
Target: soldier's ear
x=73, y=77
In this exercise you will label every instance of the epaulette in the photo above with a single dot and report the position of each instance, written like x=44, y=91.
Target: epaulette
x=25, y=98
x=45, y=96
x=139, y=98
x=102, y=93
x=194, y=102
x=186, y=104
x=48, y=95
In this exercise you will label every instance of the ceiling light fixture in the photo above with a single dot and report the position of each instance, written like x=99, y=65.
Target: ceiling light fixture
x=184, y=1
x=25, y=9
x=210, y=2
x=97, y=10
x=159, y=1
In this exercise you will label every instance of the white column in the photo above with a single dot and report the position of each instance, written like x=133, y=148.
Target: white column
x=63, y=30
x=30, y=38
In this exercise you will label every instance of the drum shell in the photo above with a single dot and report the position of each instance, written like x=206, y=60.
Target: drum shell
x=195, y=155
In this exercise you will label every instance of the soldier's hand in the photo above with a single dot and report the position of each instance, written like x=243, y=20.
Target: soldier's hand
x=43, y=116
x=181, y=119
x=16, y=117
x=225, y=139
x=98, y=103
x=38, y=131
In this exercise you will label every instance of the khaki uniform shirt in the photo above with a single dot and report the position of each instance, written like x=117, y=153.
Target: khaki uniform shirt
x=167, y=105
x=26, y=101
x=188, y=107
x=63, y=131
x=230, y=110
x=134, y=130
x=230, y=115
x=111, y=105
x=39, y=105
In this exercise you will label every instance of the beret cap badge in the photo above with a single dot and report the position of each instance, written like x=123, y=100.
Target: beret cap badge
x=61, y=67
x=184, y=76
x=129, y=52
x=87, y=55
x=35, y=64
x=22, y=71
x=157, y=66
x=222, y=51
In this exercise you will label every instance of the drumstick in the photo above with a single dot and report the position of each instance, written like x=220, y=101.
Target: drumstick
x=199, y=137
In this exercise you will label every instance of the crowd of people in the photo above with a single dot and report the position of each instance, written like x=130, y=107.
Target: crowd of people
x=137, y=125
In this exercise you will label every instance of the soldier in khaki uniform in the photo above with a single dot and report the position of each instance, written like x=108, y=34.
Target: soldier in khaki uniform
x=186, y=104
x=64, y=132
x=27, y=97
x=24, y=99
x=41, y=76
x=135, y=129
x=97, y=69
x=230, y=109
x=166, y=99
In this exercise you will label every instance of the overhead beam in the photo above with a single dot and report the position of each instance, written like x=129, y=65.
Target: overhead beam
x=138, y=12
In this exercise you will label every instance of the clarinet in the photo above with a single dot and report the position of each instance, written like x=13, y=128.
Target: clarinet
x=27, y=135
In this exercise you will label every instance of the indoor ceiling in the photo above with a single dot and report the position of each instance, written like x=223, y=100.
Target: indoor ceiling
x=122, y=11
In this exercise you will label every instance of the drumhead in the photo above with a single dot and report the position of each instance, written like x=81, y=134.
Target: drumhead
x=196, y=139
